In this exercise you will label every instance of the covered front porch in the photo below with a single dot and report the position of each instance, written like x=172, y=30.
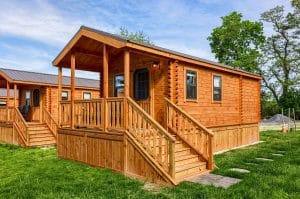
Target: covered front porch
x=133, y=126
x=123, y=73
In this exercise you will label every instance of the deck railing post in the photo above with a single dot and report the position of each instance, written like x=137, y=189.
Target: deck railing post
x=72, y=90
x=7, y=101
x=210, y=153
x=172, y=158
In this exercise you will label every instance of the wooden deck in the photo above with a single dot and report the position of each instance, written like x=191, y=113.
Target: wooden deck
x=133, y=142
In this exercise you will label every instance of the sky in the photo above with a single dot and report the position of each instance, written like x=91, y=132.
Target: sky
x=33, y=32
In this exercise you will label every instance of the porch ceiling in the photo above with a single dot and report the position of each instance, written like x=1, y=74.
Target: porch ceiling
x=88, y=55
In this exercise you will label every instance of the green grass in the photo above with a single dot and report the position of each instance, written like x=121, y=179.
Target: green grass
x=37, y=173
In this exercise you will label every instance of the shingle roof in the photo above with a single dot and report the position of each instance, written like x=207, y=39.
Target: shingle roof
x=43, y=78
x=120, y=38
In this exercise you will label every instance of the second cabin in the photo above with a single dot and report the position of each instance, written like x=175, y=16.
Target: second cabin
x=29, y=104
x=161, y=114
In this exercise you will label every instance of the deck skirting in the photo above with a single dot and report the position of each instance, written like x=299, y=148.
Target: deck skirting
x=112, y=150
x=230, y=137
x=8, y=135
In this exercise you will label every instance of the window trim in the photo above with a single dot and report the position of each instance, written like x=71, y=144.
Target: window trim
x=61, y=97
x=186, y=69
x=86, y=92
x=212, y=90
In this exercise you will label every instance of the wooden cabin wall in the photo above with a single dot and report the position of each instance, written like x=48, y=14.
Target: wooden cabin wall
x=158, y=80
x=240, y=102
x=234, y=120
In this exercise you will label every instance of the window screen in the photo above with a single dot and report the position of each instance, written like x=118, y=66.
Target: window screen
x=217, y=91
x=191, y=84
x=141, y=84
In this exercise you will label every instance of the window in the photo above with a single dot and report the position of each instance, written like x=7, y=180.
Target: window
x=64, y=95
x=141, y=84
x=87, y=95
x=217, y=89
x=119, y=85
x=191, y=84
x=36, y=97
x=2, y=103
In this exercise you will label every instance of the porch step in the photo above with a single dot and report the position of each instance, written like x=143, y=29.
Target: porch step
x=43, y=143
x=190, y=169
x=40, y=135
x=186, y=159
x=182, y=151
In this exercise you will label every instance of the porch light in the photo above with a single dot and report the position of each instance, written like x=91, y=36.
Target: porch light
x=155, y=65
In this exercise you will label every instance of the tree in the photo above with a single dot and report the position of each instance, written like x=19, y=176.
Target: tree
x=236, y=42
x=138, y=36
x=281, y=61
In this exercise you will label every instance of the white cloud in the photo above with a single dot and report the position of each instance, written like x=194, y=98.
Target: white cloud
x=175, y=24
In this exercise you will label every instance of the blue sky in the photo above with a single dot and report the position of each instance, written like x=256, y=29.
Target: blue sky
x=32, y=32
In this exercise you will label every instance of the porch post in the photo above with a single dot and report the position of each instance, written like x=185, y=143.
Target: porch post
x=7, y=100
x=126, y=84
x=126, y=73
x=105, y=85
x=59, y=94
x=41, y=104
x=72, y=90
x=15, y=96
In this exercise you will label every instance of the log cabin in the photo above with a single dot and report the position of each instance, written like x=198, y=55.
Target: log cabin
x=29, y=105
x=161, y=114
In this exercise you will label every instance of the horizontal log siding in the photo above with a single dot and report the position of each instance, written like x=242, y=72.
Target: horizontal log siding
x=240, y=102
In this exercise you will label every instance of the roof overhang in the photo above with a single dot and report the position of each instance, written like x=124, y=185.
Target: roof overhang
x=92, y=34
x=119, y=42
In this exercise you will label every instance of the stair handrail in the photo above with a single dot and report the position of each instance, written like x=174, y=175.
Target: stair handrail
x=196, y=123
x=50, y=122
x=170, y=140
x=21, y=126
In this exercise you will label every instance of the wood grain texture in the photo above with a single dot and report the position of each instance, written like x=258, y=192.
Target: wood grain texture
x=229, y=137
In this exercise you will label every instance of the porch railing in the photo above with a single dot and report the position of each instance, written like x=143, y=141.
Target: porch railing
x=88, y=113
x=145, y=105
x=50, y=122
x=65, y=109
x=3, y=114
x=191, y=131
x=115, y=112
x=21, y=126
x=151, y=135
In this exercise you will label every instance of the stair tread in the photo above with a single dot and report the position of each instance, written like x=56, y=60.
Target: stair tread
x=185, y=157
x=44, y=142
x=188, y=166
x=181, y=149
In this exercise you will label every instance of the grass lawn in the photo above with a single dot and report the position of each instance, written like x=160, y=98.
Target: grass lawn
x=37, y=173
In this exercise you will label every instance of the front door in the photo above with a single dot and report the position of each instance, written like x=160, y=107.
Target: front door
x=141, y=91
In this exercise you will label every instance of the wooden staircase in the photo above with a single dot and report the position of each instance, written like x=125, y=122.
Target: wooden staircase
x=179, y=150
x=187, y=162
x=40, y=135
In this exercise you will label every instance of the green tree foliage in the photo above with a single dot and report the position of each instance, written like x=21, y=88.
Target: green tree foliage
x=280, y=66
x=236, y=42
x=138, y=36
